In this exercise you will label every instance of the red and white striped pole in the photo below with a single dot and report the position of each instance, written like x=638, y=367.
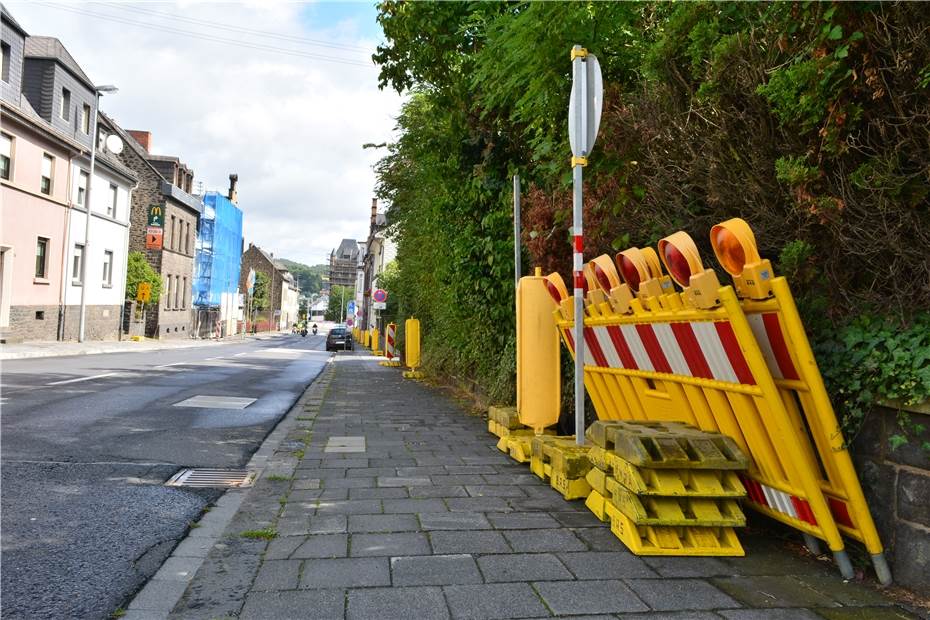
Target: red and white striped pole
x=389, y=341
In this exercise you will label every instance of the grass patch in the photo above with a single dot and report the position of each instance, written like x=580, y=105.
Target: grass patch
x=298, y=453
x=118, y=613
x=265, y=534
x=278, y=478
x=304, y=418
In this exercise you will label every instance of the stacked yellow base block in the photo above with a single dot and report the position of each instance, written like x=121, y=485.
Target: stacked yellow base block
x=515, y=438
x=666, y=488
x=562, y=463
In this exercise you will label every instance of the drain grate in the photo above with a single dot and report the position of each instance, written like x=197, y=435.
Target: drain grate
x=216, y=402
x=225, y=478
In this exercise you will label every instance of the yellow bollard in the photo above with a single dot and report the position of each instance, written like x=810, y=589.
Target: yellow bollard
x=538, y=367
x=412, y=347
x=375, y=341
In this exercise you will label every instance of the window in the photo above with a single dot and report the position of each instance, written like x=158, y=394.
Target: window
x=177, y=289
x=65, y=111
x=42, y=257
x=77, y=264
x=5, y=50
x=48, y=163
x=183, y=292
x=114, y=194
x=82, y=188
x=6, y=155
x=107, y=268
x=85, y=119
x=187, y=239
x=171, y=238
x=168, y=293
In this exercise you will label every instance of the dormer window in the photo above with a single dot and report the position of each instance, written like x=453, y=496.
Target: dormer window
x=85, y=119
x=5, y=50
x=65, y=110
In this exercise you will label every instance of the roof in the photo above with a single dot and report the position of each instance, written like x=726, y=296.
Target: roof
x=347, y=247
x=52, y=48
x=9, y=19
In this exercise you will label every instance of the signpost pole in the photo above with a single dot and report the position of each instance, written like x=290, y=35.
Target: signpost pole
x=581, y=131
x=517, y=254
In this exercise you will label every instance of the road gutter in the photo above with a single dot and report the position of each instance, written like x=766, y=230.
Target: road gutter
x=165, y=588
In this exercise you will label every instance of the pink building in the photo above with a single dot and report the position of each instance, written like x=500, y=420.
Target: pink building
x=47, y=106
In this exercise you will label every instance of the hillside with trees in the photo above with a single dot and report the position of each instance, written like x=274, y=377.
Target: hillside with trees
x=309, y=278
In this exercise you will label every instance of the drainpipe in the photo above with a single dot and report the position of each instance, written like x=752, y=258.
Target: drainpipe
x=66, y=242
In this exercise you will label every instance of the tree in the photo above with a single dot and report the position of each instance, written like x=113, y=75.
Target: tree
x=261, y=299
x=309, y=278
x=338, y=297
x=138, y=270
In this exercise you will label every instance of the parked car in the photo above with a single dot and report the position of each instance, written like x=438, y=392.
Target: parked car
x=339, y=339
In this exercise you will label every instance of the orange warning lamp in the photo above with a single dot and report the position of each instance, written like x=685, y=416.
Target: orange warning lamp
x=683, y=261
x=655, y=271
x=559, y=293
x=618, y=293
x=633, y=267
x=736, y=250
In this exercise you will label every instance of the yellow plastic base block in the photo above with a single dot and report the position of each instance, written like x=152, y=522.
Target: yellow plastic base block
x=136, y=338
x=676, y=511
x=390, y=364
x=668, y=482
x=413, y=374
x=518, y=447
x=679, y=541
x=502, y=445
x=570, y=488
x=667, y=445
x=563, y=454
x=597, y=478
x=378, y=353
x=506, y=416
x=539, y=468
x=597, y=504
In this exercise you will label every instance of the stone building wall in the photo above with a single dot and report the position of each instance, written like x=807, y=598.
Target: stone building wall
x=897, y=487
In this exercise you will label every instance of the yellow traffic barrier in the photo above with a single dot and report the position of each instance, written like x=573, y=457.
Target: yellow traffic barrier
x=538, y=366
x=692, y=357
x=676, y=511
x=774, y=320
x=412, y=348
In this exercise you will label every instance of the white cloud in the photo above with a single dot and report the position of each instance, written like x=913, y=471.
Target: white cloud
x=291, y=127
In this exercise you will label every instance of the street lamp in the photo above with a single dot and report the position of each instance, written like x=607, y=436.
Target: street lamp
x=98, y=90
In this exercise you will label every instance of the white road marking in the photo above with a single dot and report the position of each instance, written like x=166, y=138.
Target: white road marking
x=170, y=365
x=79, y=379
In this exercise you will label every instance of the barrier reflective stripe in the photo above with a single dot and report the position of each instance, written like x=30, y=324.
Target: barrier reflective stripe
x=791, y=505
x=389, y=341
x=771, y=340
x=700, y=349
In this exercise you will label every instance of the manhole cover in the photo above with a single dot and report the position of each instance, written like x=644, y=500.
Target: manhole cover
x=216, y=402
x=226, y=478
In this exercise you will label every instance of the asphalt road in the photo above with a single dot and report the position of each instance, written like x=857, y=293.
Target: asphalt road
x=86, y=443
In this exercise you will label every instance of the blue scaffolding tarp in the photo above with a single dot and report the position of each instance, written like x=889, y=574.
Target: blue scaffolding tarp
x=219, y=251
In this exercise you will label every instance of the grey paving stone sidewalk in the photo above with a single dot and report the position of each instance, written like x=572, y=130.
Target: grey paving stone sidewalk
x=398, y=506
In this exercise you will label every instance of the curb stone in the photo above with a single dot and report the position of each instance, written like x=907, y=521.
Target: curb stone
x=162, y=592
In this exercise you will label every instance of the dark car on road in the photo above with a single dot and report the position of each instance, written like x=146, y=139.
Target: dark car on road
x=339, y=339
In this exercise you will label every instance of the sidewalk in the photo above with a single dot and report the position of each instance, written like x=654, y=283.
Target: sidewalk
x=54, y=348
x=400, y=506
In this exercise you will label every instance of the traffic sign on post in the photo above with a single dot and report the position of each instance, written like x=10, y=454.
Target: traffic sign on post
x=584, y=117
x=380, y=295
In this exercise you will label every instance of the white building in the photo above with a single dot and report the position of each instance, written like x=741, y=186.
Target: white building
x=106, y=249
x=290, y=302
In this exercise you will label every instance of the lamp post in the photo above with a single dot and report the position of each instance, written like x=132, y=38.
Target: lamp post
x=98, y=90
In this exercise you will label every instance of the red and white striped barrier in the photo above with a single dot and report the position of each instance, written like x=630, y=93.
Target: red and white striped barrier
x=771, y=339
x=699, y=349
x=389, y=337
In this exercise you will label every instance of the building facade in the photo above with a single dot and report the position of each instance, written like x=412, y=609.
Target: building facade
x=48, y=106
x=343, y=264
x=164, y=185
x=217, y=264
x=283, y=291
x=379, y=252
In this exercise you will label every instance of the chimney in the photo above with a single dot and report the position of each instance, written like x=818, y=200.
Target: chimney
x=144, y=138
x=233, y=194
x=374, y=211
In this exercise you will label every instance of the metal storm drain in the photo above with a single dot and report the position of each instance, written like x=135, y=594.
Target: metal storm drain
x=216, y=402
x=224, y=478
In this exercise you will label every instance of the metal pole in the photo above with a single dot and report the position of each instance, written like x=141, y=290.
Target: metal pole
x=580, y=120
x=517, y=254
x=87, y=196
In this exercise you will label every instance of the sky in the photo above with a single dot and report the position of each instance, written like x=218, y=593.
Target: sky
x=200, y=77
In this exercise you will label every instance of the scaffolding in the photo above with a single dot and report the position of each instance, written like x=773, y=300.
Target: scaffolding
x=217, y=261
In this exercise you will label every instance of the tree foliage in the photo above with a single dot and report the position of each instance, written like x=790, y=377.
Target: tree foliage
x=309, y=278
x=261, y=294
x=138, y=270
x=809, y=120
x=338, y=297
